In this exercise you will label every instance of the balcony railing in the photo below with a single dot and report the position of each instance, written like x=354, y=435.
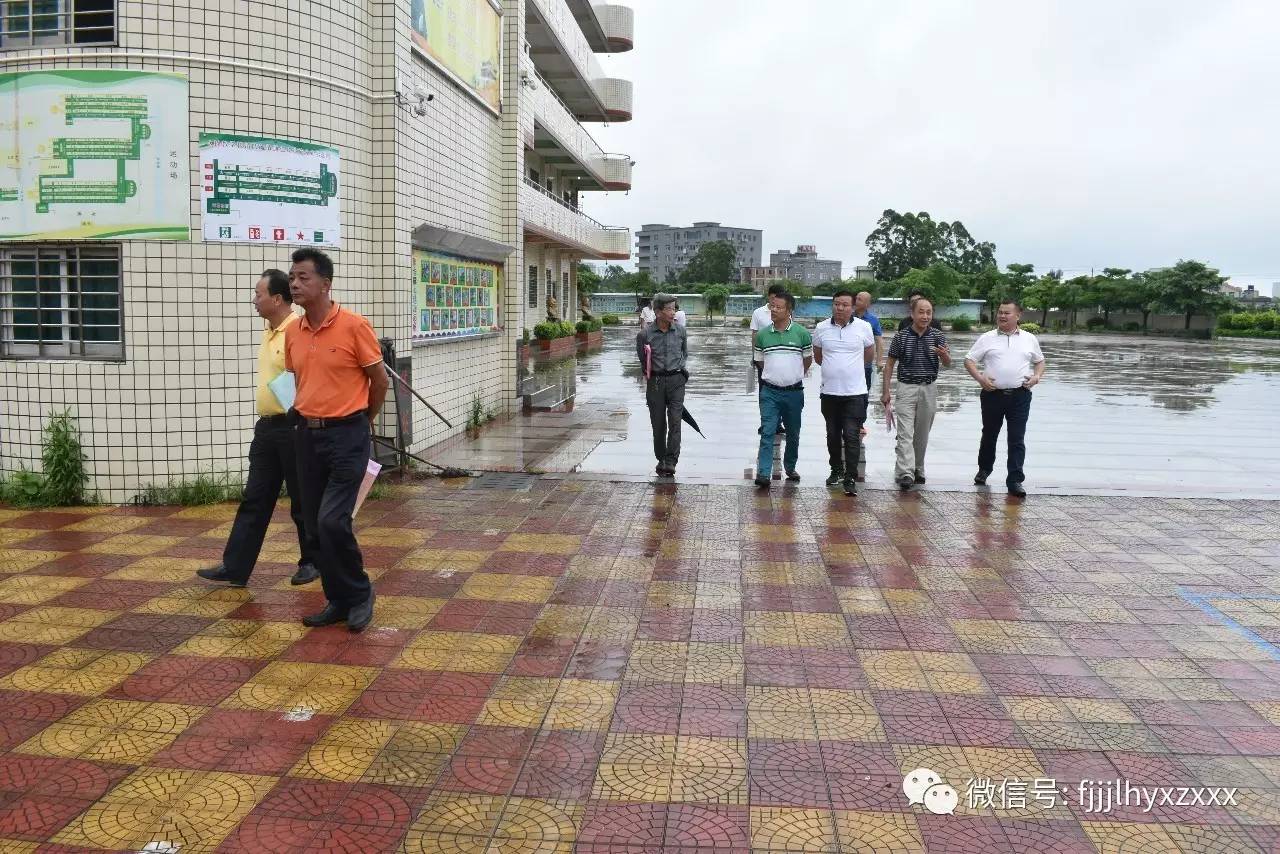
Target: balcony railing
x=611, y=171
x=619, y=25
x=551, y=216
x=612, y=94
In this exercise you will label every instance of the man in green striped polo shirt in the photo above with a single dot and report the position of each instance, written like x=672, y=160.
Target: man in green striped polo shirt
x=785, y=351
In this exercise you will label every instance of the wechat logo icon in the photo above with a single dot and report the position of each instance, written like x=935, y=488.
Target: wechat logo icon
x=926, y=787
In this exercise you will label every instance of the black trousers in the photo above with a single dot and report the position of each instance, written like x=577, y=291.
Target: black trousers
x=272, y=462
x=845, y=415
x=665, y=398
x=998, y=407
x=331, y=466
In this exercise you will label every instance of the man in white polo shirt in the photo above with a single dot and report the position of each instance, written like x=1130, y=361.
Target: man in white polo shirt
x=1011, y=365
x=843, y=346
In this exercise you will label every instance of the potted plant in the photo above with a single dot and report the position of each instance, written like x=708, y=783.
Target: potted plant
x=589, y=333
x=554, y=338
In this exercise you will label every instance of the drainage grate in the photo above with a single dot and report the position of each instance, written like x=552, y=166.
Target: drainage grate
x=513, y=481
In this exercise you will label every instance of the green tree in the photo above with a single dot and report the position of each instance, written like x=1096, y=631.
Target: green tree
x=715, y=296
x=588, y=279
x=1040, y=294
x=797, y=289
x=907, y=241
x=612, y=277
x=1072, y=294
x=1190, y=288
x=1013, y=283
x=714, y=263
x=941, y=283
x=1110, y=291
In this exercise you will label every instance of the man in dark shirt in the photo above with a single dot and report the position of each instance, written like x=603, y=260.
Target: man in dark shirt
x=934, y=323
x=664, y=369
x=916, y=353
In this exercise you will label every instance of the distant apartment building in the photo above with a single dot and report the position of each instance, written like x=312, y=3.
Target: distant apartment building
x=803, y=266
x=663, y=251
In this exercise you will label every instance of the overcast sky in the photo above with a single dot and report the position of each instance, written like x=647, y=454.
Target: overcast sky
x=1072, y=134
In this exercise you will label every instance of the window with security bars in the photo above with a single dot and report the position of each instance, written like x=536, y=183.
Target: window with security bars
x=61, y=302
x=532, y=284
x=39, y=23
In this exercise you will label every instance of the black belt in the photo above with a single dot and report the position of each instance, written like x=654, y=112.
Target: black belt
x=797, y=387
x=666, y=373
x=917, y=382
x=274, y=420
x=321, y=423
x=1005, y=390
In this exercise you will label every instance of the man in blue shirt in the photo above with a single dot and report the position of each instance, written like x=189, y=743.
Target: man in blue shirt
x=862, y=310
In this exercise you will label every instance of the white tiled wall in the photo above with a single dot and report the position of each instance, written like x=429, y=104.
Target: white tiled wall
x=182, y=401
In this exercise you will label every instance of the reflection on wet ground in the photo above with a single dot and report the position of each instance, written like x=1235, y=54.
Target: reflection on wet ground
x=1149, y=416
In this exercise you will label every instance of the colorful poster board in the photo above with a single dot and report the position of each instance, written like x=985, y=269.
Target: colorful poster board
x=94, y=154
x=464, y=38
x=454, y=296
x=261, y=190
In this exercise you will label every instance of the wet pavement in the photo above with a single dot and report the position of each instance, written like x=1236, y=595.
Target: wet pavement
x=594, y=663
x=1114, y=415
x=562, y=665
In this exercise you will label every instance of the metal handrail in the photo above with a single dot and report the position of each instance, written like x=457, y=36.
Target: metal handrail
x=571, y=207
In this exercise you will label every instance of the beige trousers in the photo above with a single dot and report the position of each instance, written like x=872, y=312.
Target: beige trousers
x=913, y=408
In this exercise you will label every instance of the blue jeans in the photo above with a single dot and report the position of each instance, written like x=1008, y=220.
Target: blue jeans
x=777, y=404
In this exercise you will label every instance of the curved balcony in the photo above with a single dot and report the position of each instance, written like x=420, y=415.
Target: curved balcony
x=619, y=25
x=608, y=28
x=550, y=220
x=616, y=95
x=564, y=55
x=563, y=142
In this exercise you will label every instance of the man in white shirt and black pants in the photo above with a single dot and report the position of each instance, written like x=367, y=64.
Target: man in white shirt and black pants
x=1011, y=365
x=842, y=346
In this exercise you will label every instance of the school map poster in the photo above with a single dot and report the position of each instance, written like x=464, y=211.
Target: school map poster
x=454, y=296
x=260, y=190
x=94, y=154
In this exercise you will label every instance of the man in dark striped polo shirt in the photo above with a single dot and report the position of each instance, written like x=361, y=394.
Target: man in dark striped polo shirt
x=916, y=352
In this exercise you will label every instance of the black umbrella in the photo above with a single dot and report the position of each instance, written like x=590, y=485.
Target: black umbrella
x=688, y=419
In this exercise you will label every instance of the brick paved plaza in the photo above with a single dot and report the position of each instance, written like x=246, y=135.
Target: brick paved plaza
x=619, y=667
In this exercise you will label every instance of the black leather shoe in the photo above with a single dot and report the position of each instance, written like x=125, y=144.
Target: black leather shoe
x=1017, y=490
x=360, y=615
x=763, y=482
x=331, y=614
x=219, y=573
x=835, y=477
x=306, y=574
x=849, y=488
x=793, y=476
x=919, y=478
x=980, y=479
x=906, y=482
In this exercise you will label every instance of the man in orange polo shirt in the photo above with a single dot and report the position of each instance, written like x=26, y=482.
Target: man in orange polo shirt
x=341, y=384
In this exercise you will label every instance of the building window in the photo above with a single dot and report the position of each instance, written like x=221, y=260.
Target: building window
x=565, y=285
x=36, y=23
x=61, y=302
x=533, y=287
x=550, y=286
x=533, y=175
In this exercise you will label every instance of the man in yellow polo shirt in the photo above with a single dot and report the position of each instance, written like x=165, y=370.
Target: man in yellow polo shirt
x=342, y=383
x=272, y=457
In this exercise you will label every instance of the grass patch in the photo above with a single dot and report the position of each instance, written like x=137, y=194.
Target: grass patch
x=203, y=488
